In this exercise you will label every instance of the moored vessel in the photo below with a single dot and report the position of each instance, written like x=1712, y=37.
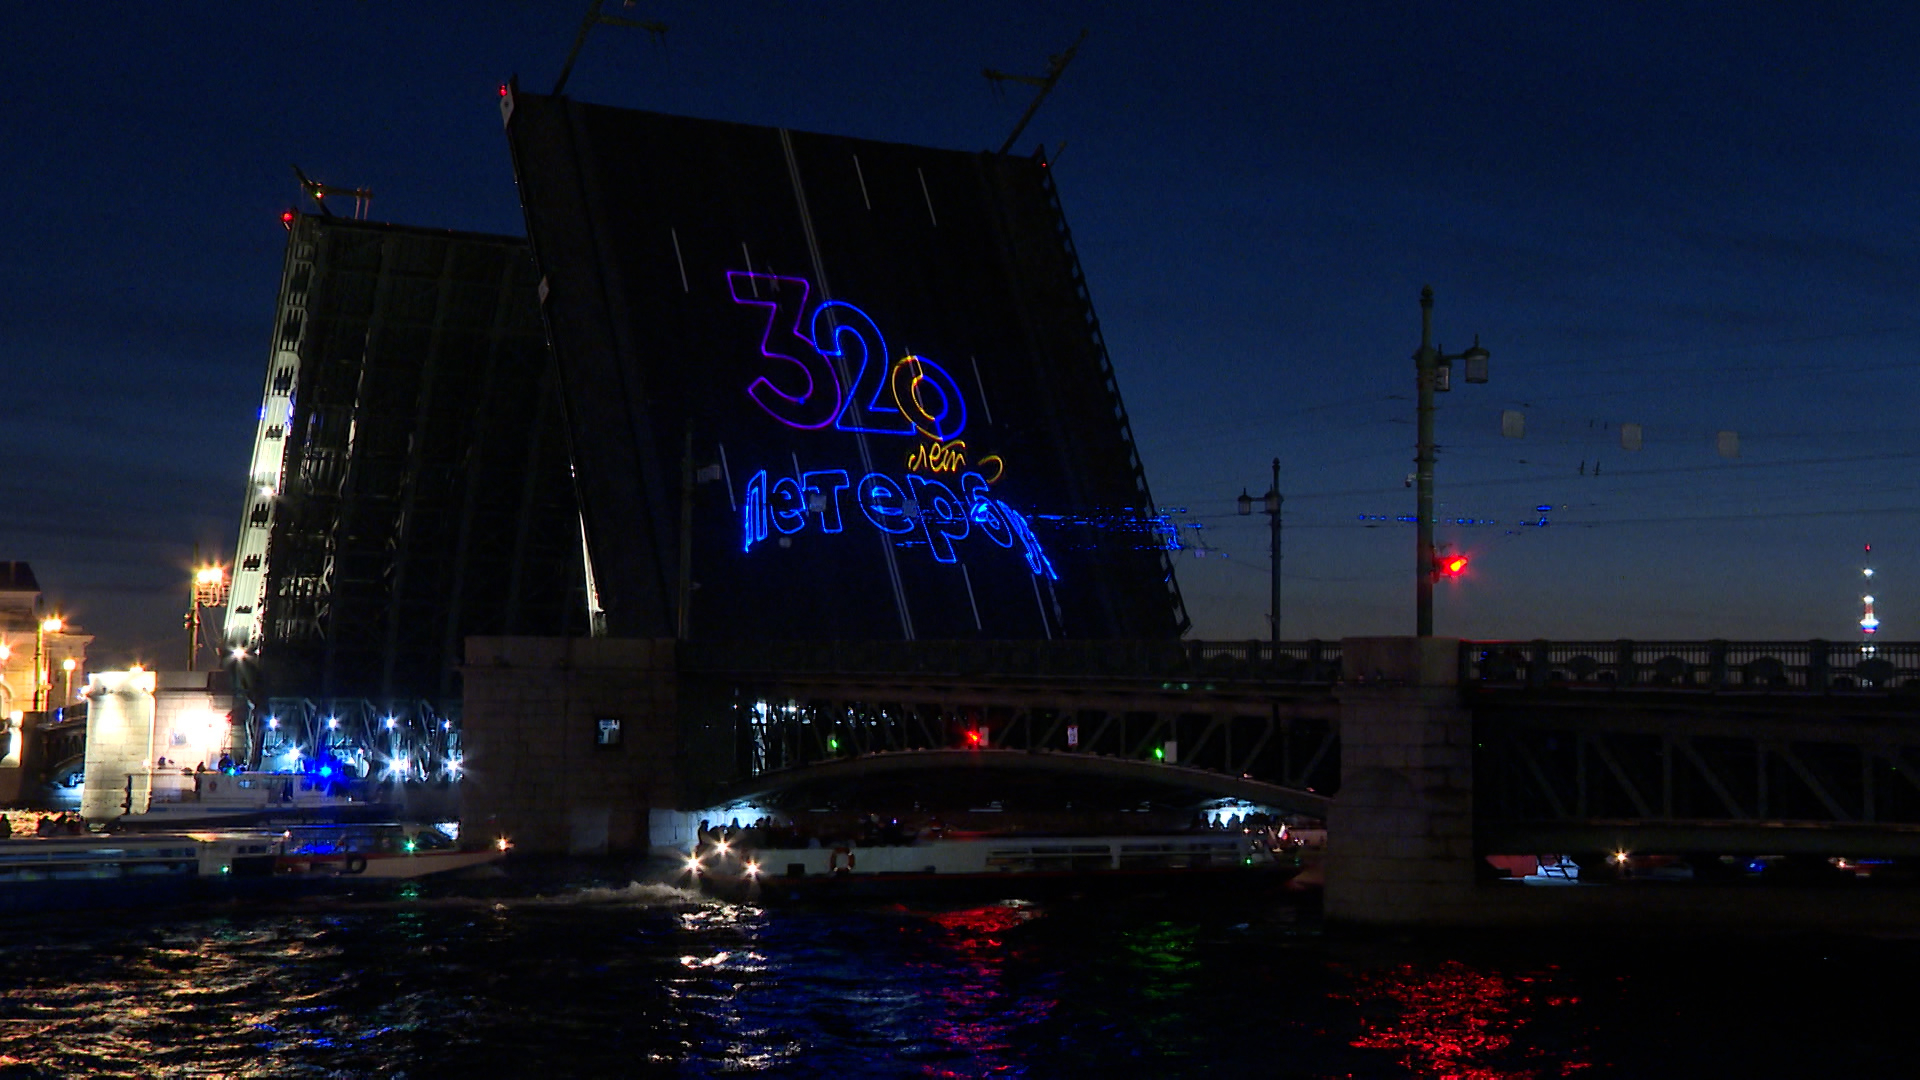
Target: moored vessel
x=204, y=799
x=98, y=870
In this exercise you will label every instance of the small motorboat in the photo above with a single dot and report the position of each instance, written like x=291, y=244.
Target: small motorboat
x=375, y=852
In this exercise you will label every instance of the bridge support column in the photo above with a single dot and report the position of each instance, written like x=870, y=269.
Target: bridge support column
x=571, y=743
x=1400, y=833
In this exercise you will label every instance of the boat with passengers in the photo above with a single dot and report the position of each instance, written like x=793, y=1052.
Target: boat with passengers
x=775, y=863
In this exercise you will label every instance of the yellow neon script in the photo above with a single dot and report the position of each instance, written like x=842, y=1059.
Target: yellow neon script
x=938, y=457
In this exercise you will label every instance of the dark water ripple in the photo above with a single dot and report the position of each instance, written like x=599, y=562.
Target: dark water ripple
x=584, y=978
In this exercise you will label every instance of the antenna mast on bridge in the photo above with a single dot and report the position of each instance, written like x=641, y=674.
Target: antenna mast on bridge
x=1868, y=623
x=1056, y=66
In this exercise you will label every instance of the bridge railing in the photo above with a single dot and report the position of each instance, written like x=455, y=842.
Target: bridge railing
x=1816, y=666
x=1315, y=662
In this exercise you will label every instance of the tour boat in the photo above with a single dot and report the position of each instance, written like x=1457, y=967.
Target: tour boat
x=378, y=852
x=987, y=864
x=251, y=799
x=73, y=872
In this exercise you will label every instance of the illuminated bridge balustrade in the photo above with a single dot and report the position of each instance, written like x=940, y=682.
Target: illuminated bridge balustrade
x=1807, y=666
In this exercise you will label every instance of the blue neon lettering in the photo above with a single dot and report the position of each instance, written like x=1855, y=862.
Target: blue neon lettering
x=882, y=501
x=828, y=484
x=753, y=511
x=920, y=505
x=833, y=323
x=789, y=508
x=1037, y=560
x=983, y=509
x=943, y=517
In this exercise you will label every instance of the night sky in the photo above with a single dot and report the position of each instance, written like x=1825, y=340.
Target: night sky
x=1696, y=218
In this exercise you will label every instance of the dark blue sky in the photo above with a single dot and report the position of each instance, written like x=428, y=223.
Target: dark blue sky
x=1694, y=217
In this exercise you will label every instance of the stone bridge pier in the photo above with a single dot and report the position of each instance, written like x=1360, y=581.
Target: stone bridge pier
x=1400, y=833
x=1404, y=835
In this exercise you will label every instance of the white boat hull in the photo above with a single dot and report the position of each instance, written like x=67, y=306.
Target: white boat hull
x=1003, y=864
x=384, y=867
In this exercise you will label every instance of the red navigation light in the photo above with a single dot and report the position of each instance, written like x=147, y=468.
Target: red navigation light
x=503, y=89
x=1450, y=565
x=973, y=736
x=286, y=219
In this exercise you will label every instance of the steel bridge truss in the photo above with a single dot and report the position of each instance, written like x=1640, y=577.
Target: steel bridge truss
x=1701, y=770
x=409, y=740
x=1290, y=740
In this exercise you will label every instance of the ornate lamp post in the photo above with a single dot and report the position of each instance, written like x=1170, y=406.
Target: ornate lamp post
x=42, y=677
x=1273, y=502
x=209, y=590
x=1434, y=370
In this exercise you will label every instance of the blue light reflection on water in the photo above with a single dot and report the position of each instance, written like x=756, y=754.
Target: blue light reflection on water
x=614, y=980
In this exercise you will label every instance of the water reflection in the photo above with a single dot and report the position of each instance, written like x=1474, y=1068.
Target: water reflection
x=606, y=979
x=1455, y=1020
x=980, y=1007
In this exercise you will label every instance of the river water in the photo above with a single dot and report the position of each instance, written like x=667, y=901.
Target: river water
x=577, y=970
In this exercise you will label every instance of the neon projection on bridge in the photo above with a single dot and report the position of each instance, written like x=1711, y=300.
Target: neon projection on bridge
x=900, y=397
x=829, y=369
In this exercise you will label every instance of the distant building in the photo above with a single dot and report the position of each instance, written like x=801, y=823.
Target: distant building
x=43, y=660
x=35, y=640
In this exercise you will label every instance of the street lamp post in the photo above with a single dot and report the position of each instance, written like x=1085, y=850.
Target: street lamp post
x=42, y=677
x=1434, y=371
x=209, y=590
x=1273, y=503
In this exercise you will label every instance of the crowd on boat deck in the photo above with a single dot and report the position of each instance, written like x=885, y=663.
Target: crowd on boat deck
x=868, y=831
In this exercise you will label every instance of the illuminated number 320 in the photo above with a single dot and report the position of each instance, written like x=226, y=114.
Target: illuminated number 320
x=813, y=381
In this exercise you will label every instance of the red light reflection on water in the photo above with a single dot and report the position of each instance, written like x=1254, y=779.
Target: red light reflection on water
x=1450, y=1020
x=978, y=1009
x=980, y=928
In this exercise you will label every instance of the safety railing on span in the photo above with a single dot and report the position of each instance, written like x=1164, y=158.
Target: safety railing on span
x=1806, y=666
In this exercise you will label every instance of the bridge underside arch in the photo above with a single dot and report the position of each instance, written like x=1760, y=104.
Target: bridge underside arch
x=1004, y=781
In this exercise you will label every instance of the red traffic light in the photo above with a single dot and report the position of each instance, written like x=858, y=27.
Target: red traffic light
x=973, y=737
x=1450, y=565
